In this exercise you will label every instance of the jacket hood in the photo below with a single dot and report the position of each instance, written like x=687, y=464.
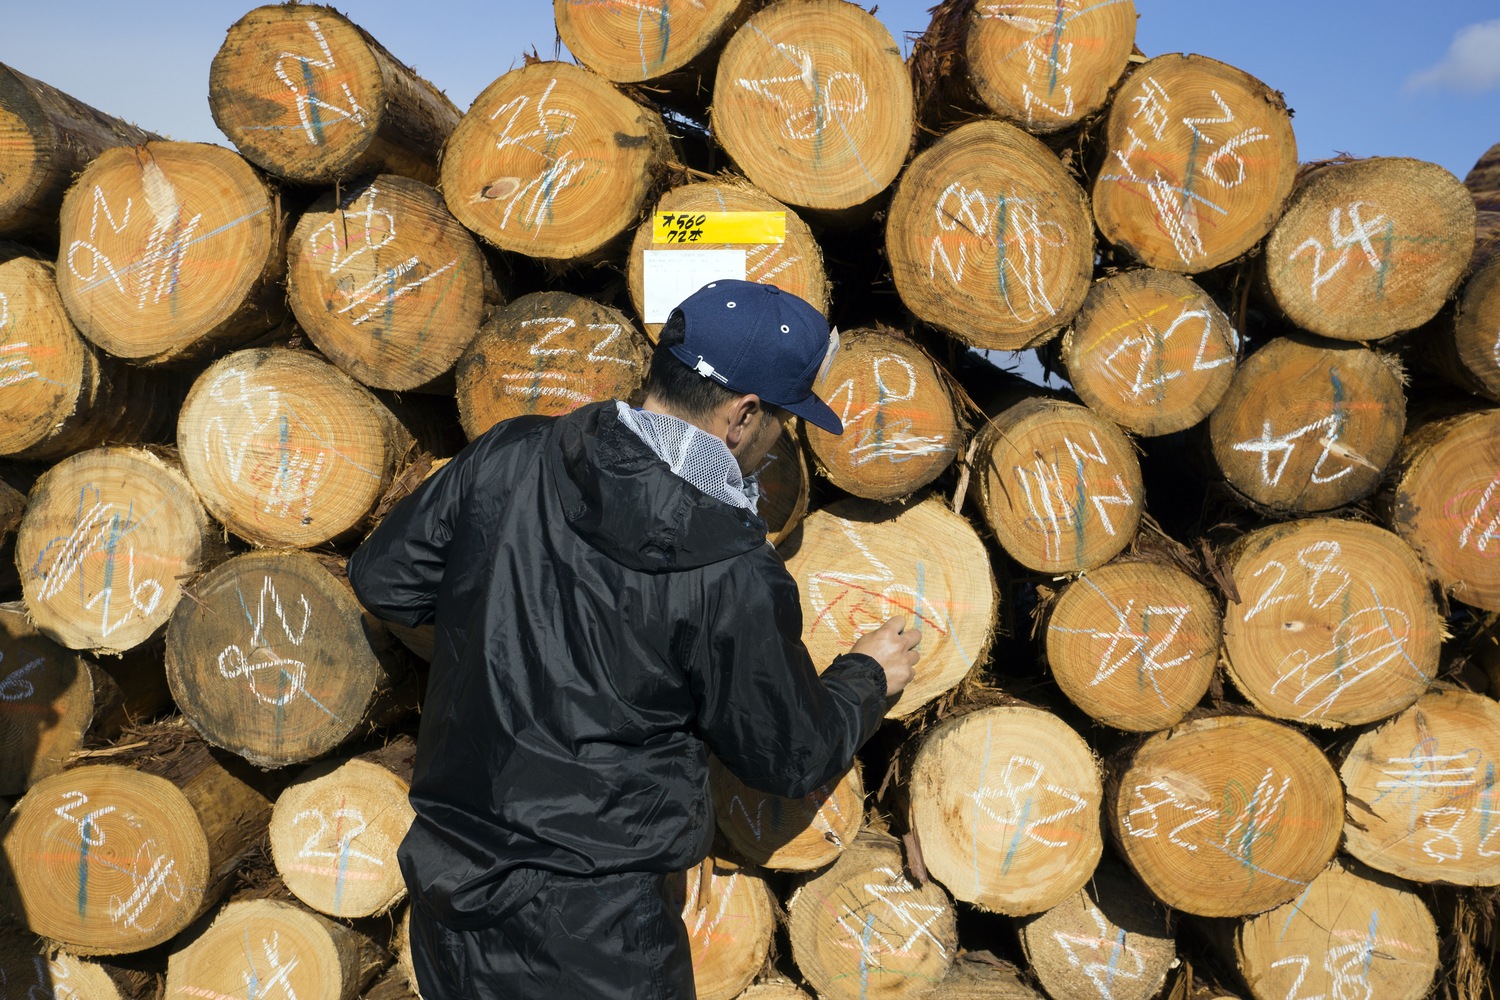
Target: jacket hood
x=624, y=500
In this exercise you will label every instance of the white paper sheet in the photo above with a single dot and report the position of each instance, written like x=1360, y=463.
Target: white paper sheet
x=669, y=276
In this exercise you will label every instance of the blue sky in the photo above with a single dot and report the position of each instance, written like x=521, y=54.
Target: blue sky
x=1367, y=77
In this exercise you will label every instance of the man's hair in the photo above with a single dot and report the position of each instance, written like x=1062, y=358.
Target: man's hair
x=681, y=388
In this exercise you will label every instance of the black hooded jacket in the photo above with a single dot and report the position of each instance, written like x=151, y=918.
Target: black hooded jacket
x=601, y=625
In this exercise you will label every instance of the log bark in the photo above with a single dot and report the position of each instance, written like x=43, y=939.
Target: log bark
x=386, y=282
x=1151, y=351
x=1227, y=816
x=1309, y=425
x=306, y=94
x=1335, y=625
x=285, y=449
x=274, y=660
x=552, y=161
x=1352, y=933
x=548, y=353
x=1059, y=485
x=982, y=976
x=30, y=968
x=171, y=251
x=794, y=265
x=269, y=941
x=53, y=701
x=775, y=991
x=1422, y=794
x=856, y=564
x=1370, y=248
x=787, y=834
x=108, y=539
x=1134, y=644
x=109, y=859
x=58, y=393
x=46, y=137
x=1005, y=804
x=334, y=833
x=1109, y=940
x=730, y=916
x=1199, y=161
x=1043, y=69
x=1483, y=181
x=990, y=238
x=863, y=928
x=1445, y=505
x=902, y=427
x=812, y=102
x=630, y=44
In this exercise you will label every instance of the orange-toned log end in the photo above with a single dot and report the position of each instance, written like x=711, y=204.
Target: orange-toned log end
x=1446, y=503
x=1227, y=816
x=858, y=563
x=901, y=424
x=730, y=915
x=1370, y=248
x=1005, y=802
x=548, y=353
x=813, y=103
x=386, y=282
x=905, y=935
x=285, y=449
x=1335, y=624
x=785, y=486
x=170, y=251
x=553, y=161
x=1309, y=425
x=1059, y=485
x=787, y=834
x=626, y=42
x=1150, y=350
x=305, y=94
x=108, y=540
x=1351, y=929
x=1047, y=67
x=990, y=238
x=1170, y=626
x=1200, y=159
x=795, y=265
x=1422, y=791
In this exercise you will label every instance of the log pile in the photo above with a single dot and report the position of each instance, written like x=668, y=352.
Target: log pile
x=1206, y=706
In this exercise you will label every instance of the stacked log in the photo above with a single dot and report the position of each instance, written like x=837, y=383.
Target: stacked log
x=1228, y=479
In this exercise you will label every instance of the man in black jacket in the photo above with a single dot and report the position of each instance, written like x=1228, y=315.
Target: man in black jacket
x=607, y=613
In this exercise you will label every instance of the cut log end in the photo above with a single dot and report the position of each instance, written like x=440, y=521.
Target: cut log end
x=730, y=917
x=1059, y=485
x=787, y=834
x=990, y=238
x=1170, y=626
x=552, y=161
x=1200, y=160
x=856, y=566
x=1309, y=426
x=1335, y=624
x=1370, y=248
x=169, y=251
x=618, y=43
x=813, y=103
x=386, y=282
x=1421, y=790
x=1476, y=331
x=1150, y=350
x=1005, y=802
x=1228, y=816
x=901, y=425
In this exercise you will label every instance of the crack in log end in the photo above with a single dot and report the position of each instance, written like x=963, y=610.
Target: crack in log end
x=501, y=187
x=631, y=141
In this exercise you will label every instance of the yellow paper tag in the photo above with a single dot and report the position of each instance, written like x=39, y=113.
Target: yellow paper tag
x=719, y=227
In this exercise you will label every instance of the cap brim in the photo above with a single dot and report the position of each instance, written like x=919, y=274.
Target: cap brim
x=816, y=412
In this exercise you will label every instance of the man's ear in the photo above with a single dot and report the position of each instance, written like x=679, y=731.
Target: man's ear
x=740, y=417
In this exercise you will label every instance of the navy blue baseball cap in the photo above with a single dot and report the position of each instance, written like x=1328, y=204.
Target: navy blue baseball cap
x=756, y=338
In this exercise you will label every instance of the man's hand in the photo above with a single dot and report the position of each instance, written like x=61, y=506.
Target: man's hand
x=894, y=647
